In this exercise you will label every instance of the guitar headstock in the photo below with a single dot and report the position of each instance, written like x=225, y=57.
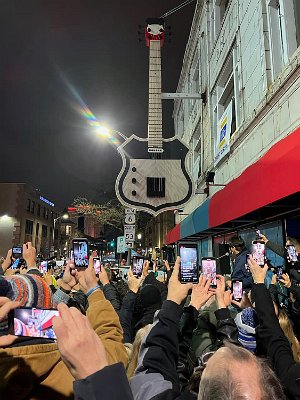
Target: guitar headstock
x=155, y=30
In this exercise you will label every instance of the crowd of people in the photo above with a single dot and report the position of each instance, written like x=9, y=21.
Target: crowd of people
x=148, y=339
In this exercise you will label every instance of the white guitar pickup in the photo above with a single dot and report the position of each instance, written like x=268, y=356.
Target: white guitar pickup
x=155, y=150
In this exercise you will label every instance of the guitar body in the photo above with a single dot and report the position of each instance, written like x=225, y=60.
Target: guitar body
x=153, y=184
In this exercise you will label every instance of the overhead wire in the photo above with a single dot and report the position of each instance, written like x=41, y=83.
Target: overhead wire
x=177, y=8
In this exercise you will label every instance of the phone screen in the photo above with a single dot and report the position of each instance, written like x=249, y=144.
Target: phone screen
x=44, y=267
x=209, y=269
x=279, y=272
x=237, y=290
x=16, y=263
x=258, y=252
x=291, y=249
x=17, y=252
x=189, y=269
x=97, y=265
x=81, y=253
x=137, y=266
x=34, y=322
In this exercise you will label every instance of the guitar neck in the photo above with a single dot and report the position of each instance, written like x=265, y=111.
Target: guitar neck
x=155, y=102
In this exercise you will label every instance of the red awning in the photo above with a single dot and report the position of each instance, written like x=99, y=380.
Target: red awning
x=273, y=177
x=173, y=235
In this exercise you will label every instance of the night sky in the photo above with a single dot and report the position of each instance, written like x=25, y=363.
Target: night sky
x=59, y=54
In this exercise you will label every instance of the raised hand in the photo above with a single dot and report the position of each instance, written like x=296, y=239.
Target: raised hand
x=201, y=292
x=81, y=349
x=177, y=291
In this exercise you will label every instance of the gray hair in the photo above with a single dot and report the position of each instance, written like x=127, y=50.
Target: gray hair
x=224, y=386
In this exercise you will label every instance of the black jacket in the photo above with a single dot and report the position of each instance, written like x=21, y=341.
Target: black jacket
x=126, y=315
x=275, y=342
x=240, y=272
x=157, y=376
x=110, y=383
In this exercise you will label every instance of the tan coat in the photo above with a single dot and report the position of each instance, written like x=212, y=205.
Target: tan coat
x=36, y=372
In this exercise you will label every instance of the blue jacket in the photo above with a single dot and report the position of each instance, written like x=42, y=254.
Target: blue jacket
x=240, y=272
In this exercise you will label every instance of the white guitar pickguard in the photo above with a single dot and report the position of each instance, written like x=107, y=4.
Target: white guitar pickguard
x=175, y=182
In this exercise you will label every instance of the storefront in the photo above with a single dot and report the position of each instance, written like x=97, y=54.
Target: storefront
x=265, y=196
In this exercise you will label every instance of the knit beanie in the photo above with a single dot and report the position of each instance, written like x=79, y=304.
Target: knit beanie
x=30, y=291
x=150, y=295
x=246, y=322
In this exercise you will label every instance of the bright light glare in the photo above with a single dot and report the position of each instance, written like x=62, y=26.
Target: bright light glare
x=139, y=236
x=5, y=216
x=103, y=131
x=65, y=216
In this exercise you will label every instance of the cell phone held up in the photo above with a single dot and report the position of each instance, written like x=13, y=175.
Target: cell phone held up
x=80, y=252
x=137, y=266
x=189, y=267
x=259, y=252
x=237, y=290
x=292, y=253
x=209, y=269
x=17, y=252
x=32, y=322
x=97, y=265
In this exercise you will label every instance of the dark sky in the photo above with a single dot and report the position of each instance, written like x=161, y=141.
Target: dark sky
x=93, y=45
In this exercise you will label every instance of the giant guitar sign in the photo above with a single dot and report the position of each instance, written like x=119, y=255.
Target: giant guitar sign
x=154, y=176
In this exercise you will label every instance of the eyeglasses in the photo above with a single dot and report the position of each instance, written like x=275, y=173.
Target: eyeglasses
x=203, y=360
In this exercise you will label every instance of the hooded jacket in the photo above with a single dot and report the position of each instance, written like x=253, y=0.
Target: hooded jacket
x=36, y=372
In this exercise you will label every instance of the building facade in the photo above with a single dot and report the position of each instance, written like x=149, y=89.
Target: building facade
x=242, y=59
x=25, y=216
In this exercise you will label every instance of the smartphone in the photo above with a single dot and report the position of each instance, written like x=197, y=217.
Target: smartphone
x=279, y=273
x=209, y=269
x=292, y=253
x=44, y=267
x=33, y=322
x=189, y=267
x=137, y=266
x=97, y=265
x=15, y=264
x=81, y=252
x=258, y=234
x=258, y=252
x=237, y=290
x=17, y=251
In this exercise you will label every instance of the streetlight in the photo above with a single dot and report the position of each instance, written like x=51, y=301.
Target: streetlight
x=106, y=132
x=65, y=215
x=139, y=236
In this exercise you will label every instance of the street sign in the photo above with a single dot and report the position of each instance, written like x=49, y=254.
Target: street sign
x=130, y=211
x=130, y=219
x=129, y=245
x=129, y=233
x=121, y=245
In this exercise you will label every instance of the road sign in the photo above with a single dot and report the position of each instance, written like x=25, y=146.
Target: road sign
x=130, y=211
x=130, y=219
x=129, y=245
x=121, y=245
x=129, y=233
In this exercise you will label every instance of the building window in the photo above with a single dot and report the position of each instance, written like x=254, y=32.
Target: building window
x=39, y=210
x=227, y=91
x=28, y=227
x=68, y=230
x=217, y=13
x=32, y=207
x=44, y=231
x=28, y=205
x=47, y=213
x=284, y=31
x=37, y=229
